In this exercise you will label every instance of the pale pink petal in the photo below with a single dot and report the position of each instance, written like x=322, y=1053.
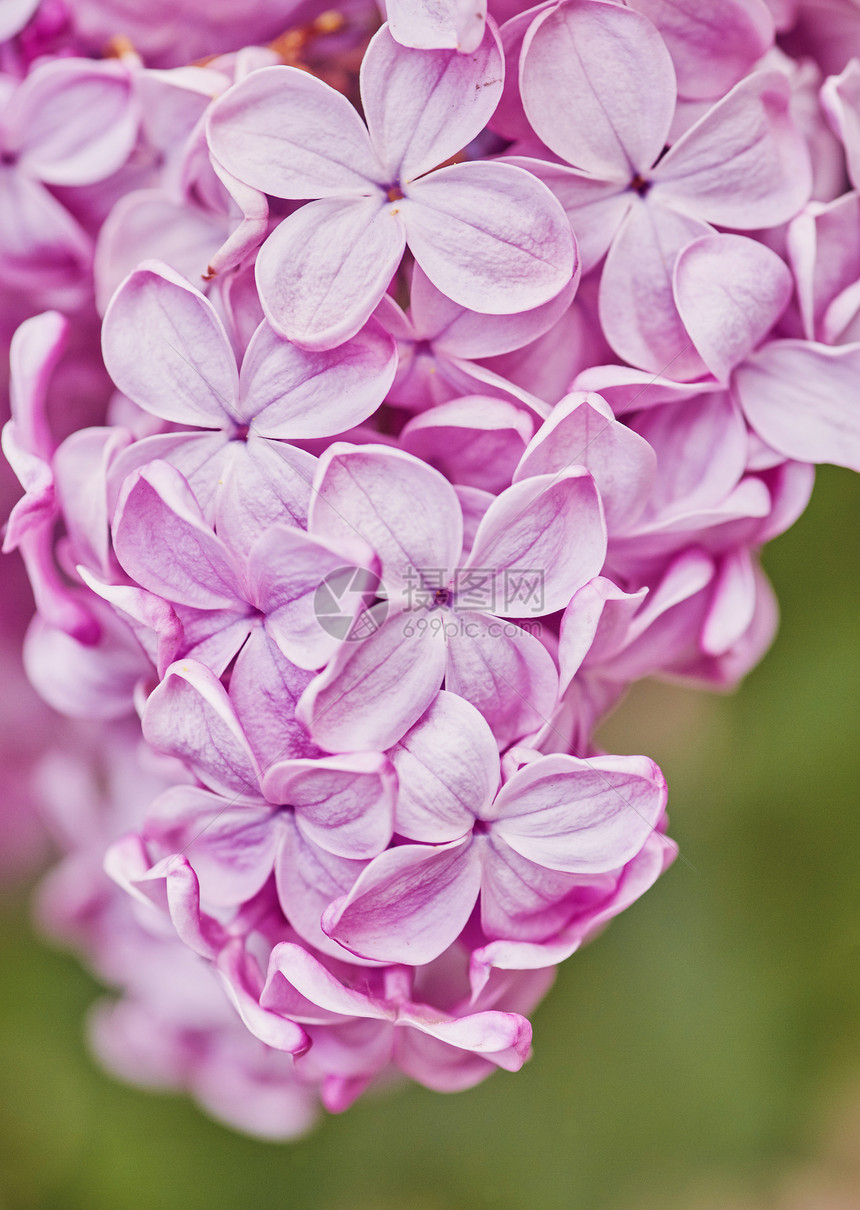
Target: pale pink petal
x=494, y=1034
x=150, y=223
x=260, y=483
x=148, y=615
x=375, y=689
x=448, y=771
x=15, y=15
x=503, y=670
x=523, y=901
x=423, y=106
x=324, y=269
x=287, y=570
x=627, y=390
x=403, y=509
x=291, y=393
x=639, y=874
x=509, y=119
x=82, y=680
x=701, y=450
x=733, y=604
x=595, y=207
x=298, y=984
x=189, y=715
x=246, y=234
x=598, y=617
x=199, y=456
x=410, y=903
x=840, y=97
x=490, y=236
x=41, y=246
x=165, y=347
x=36, y=348
x=230, y=845
x=264, y=689
x=343, y=804
x=730, y=291
x=539, y=542
x=801, y=398
x=580, y=816
x=823, y=245
x=476, y=441
x=427, y=25
x=82, y=462
x=287, y=133
x=242, y=981
x=610, y=70
x=186, y=562
x=637, y=304
x=308, y=879
x=463, y=333
x=744, y=164
x=73, y=121
x=582, y=431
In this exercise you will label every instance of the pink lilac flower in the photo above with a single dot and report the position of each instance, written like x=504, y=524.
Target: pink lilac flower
x=325, y=268
x=743, y=164
x=535, y=544
x=524, y=850
x=189, y=377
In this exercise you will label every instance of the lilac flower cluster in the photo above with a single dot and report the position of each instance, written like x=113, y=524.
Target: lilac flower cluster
x=459, y=369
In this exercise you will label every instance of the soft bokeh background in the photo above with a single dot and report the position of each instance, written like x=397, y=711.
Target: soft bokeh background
x=704, y=1054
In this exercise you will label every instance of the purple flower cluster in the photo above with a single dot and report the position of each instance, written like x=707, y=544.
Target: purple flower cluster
x=451, y=376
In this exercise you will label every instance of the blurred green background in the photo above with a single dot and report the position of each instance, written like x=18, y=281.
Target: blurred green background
x=703, y=1054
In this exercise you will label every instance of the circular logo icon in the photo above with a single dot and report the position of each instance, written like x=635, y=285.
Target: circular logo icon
x=351, y=603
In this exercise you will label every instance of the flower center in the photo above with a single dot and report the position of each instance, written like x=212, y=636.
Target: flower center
x=640, y=185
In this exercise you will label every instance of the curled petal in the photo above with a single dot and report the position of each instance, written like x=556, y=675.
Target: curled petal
x=730, y=291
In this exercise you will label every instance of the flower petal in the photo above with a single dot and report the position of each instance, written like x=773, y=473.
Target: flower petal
x=490, y=236
x=540, y=540
x=189, y=715
x=730, y=291
x=288, y=392
x=403, y=509
x=410, y=903
x=166, y=348
x=324, y=269
x=423, y=106
x=287, y=133
x=448, y=771
x=744, y=164
x=613, y=75
x=581, y=816
x=373, y=690
x=503, y=670
x=801, y=398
